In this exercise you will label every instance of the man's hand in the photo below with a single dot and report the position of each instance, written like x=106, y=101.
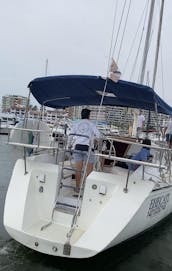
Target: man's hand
x=70, y=147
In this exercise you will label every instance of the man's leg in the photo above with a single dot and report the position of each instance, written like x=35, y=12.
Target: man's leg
x=137, y=133
x=91, y=162
x=170, y=141
x=78, y=166
x=89, y=168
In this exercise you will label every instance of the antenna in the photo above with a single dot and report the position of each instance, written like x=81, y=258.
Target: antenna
x=46, y=67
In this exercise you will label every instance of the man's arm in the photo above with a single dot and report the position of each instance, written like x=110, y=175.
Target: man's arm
x=70, y=137
x=143, y=122
x=164, y=131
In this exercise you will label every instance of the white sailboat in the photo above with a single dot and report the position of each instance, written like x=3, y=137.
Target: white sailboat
x=7, y=121
x=113, y=204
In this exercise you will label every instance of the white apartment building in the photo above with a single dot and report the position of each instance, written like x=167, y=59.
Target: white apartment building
x=112, y=115
x=75, y=112
x=13, y=101
x=118, y=116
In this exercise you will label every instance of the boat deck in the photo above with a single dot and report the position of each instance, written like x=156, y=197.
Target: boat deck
x=53, y=232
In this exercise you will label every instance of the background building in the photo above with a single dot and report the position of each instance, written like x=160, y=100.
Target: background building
x=10, y=102
x=121, y=117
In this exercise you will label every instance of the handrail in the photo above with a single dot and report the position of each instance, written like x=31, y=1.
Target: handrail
x=130, y=161
x=31, y=146
x=139, y=144
x=80, y=135
x=29, y=130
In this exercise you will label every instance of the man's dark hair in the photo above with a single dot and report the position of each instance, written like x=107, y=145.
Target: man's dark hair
x=85, y=113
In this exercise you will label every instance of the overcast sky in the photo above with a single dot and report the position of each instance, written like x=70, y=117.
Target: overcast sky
x=75, y=37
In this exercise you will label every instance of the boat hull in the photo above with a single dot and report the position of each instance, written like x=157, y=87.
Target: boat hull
x=108, y=214
x=154, y=209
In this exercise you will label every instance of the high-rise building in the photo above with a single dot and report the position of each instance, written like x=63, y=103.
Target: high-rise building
x=13, y=101
x=119, y=116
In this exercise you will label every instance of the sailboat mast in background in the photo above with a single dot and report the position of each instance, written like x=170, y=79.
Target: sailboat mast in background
x=147, y=41
x=158, y=43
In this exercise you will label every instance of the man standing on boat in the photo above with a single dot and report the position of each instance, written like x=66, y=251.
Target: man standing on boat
x=168, y=132
x=140, y=124
x=83, y=134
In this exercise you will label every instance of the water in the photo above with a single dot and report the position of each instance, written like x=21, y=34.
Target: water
x=150, y=251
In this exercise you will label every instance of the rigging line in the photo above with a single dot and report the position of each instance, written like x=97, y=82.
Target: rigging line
x=136, y=58
x=147, y=79
x=138, y=80
x=162, y=74
x=133, y=42
x=147, y=38
x=158, y=42
x=112, y=37
x=119, y=27
x=162, y=64
x=105, y=85
x=114, y=20
x=43, y=108
x=120, y=47
x=156, y=60
x=108, y=66
x=141, y=38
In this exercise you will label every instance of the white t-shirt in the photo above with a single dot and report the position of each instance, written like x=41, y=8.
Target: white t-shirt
x=140, y=121
x=86, y=131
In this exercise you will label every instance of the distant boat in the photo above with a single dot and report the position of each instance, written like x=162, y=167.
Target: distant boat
x=7, y=121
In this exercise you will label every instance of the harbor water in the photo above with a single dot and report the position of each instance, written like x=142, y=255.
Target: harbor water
x=150, y=251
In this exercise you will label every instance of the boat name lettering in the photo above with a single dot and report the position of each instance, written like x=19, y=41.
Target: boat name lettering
x=158, y=204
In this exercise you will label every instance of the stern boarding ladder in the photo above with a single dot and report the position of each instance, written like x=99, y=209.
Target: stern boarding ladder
x=66, y=202
x=66, y=206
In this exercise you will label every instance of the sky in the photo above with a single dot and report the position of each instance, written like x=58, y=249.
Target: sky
x=76, y=37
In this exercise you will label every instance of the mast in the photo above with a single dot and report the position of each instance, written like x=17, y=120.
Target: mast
x=147, y=41
x=144, y=60
x=158, y=43
x=156, y=62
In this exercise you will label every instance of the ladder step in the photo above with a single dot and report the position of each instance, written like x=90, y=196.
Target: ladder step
x=67, y=186
x=69, y=168
x=67, y=176
x=65, y=204
x=65, y=209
